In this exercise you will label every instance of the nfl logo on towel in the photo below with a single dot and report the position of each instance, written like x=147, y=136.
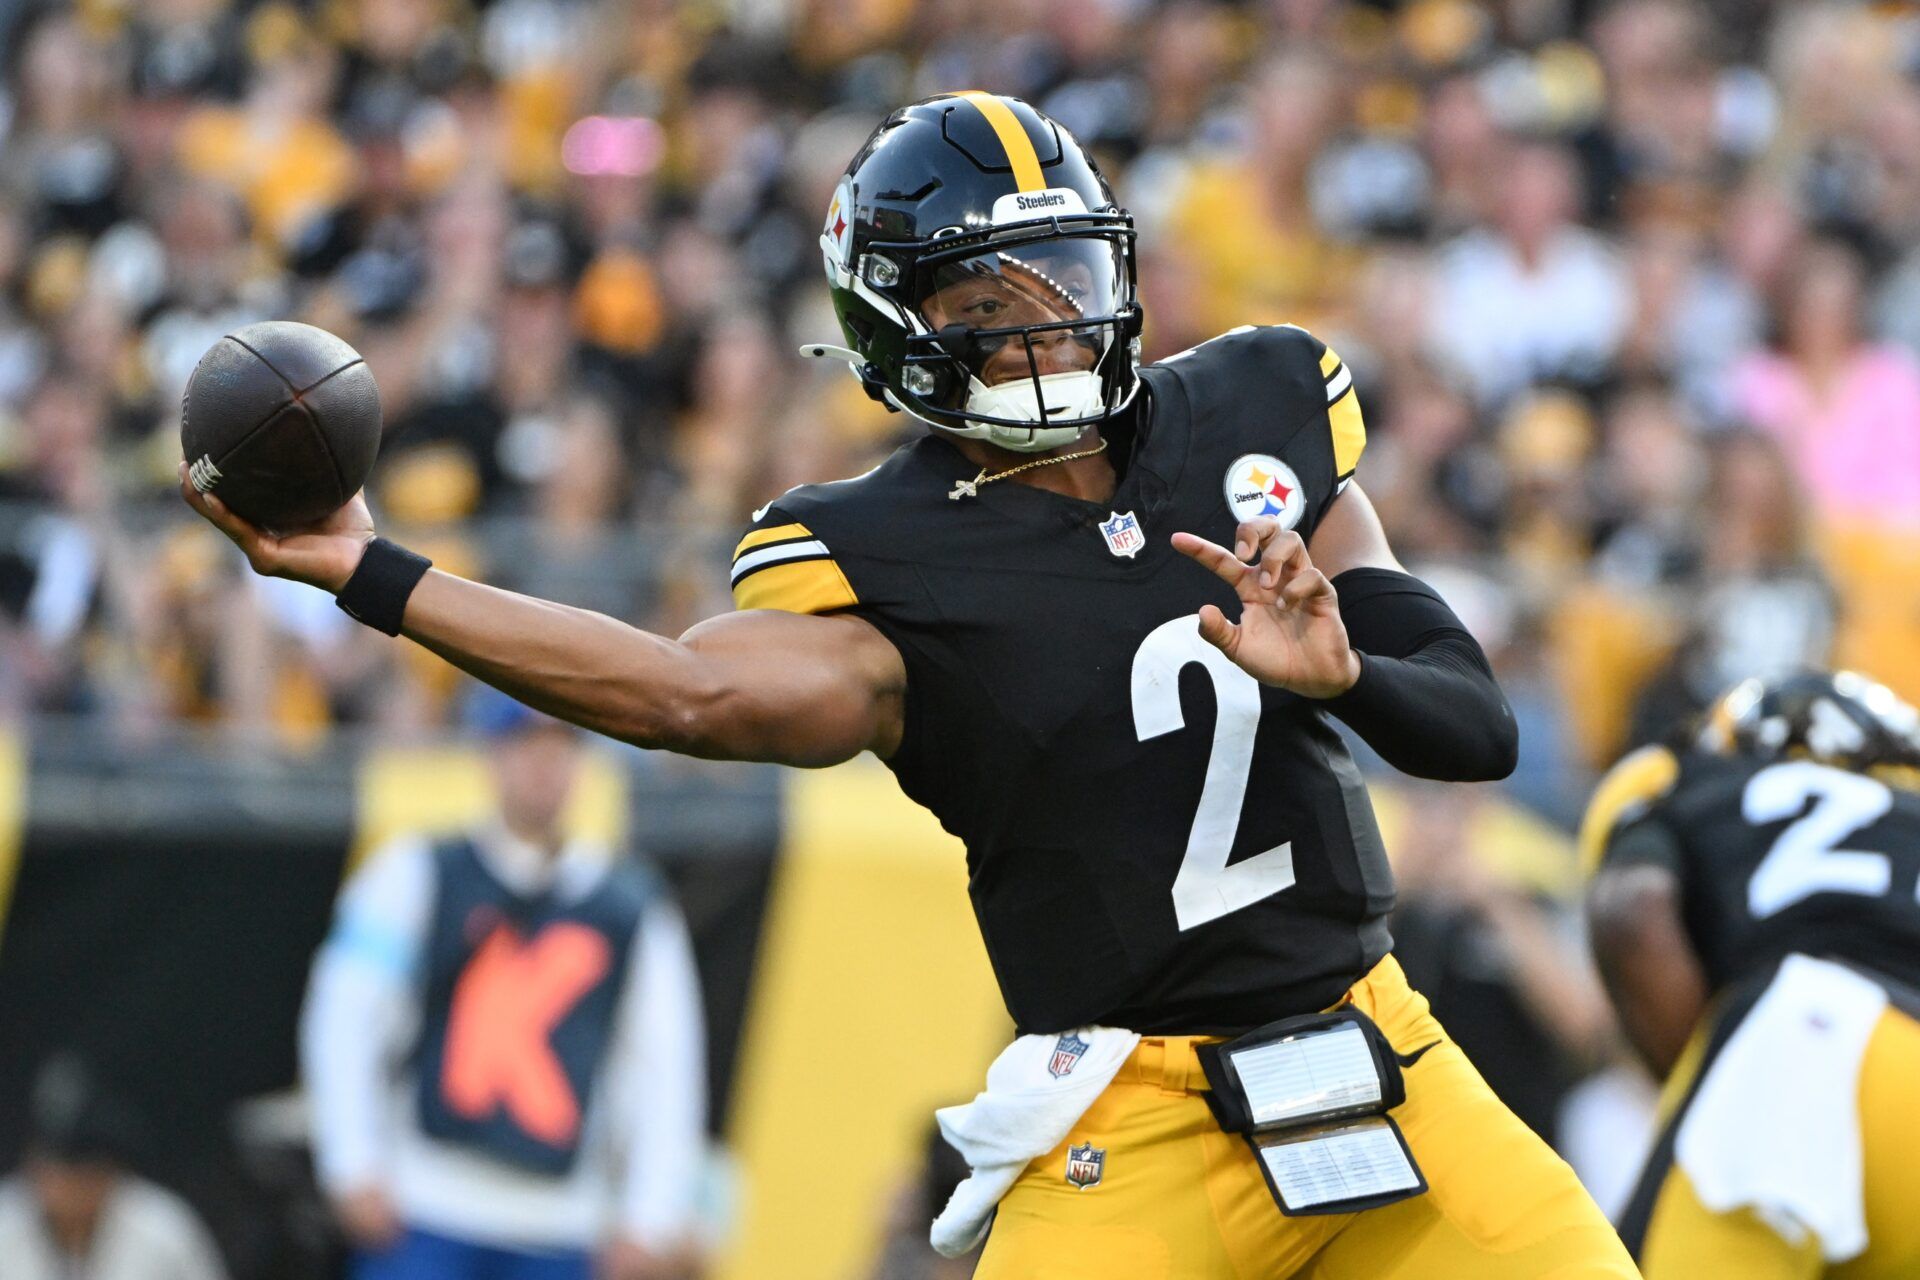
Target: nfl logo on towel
x=1066, y=1052
x=1084, y=1165
x=1123, y=534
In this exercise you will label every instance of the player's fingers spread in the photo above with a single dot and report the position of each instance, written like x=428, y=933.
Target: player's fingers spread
x=207, y=507
x=1248, y=536
x=1264, y=531
x=238, y=531
x=227, y=522
x=1284, y=555
x=1212, y=555
x=1252, y=536
x=204, y=503
x=1306, y=587
x=1216, y=630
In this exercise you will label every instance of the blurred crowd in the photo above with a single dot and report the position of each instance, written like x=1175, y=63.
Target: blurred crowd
x=1631, y=289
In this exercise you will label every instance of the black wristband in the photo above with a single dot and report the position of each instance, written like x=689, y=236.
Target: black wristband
x=377, y=592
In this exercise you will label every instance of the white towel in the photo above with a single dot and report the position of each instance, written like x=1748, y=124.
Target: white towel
x=1775, y=1125
x=1036, y=1089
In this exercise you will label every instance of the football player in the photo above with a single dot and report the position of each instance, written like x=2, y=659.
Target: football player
x=1099, y=620
x=1753, y=910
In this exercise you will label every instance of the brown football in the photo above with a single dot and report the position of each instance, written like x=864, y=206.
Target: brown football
x=281, y=421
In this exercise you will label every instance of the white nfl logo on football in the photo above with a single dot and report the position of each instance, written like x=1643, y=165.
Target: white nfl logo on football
x=1259, y=484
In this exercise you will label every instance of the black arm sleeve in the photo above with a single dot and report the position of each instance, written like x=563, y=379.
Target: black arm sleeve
x=1426, y=699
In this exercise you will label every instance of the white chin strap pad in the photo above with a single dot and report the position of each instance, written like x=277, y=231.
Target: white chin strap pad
x=1065, y=395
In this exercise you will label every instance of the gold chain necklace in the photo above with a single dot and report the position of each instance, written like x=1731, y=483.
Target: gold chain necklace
x=971, y=488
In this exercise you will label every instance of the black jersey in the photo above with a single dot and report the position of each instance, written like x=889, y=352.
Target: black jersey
x=1154, y=839
x=1772, y=857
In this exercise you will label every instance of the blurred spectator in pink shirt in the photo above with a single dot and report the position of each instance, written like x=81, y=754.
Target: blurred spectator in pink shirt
x=1845, y=409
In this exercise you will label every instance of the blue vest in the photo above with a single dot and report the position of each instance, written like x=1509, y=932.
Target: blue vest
x=520, y=995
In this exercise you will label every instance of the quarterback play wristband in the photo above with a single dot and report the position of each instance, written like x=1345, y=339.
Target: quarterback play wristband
x=377, y=592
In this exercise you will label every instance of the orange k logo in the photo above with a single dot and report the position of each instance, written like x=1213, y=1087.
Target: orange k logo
x=505, y=1007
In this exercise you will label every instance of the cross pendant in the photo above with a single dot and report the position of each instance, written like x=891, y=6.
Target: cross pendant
x=964, y=489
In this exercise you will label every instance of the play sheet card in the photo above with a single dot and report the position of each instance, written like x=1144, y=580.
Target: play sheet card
x=1363, y=1162
x=1308, y=1075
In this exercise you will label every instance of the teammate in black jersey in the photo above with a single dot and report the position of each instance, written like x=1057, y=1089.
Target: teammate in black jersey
x=1099, y=621
x=1756, y=914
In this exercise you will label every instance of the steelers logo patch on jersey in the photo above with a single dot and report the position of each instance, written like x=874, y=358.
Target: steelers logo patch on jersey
x=1259, y=484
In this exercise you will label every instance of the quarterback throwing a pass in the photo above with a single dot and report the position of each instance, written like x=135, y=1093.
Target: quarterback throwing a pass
x=1099, y=620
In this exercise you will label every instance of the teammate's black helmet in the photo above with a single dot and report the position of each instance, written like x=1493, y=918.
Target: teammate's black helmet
x=1833, y=717
x=982, y=273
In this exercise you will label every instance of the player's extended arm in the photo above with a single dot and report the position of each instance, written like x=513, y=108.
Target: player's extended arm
x=1342, y=621
x=762, y=685
x=1640, y=946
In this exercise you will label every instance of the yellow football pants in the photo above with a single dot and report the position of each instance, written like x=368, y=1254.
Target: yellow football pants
x=1686, y=1240
x=1178, y=1199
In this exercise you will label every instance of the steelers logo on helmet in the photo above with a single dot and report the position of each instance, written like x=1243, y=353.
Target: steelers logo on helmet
x=837, y=234
x=1259, y=484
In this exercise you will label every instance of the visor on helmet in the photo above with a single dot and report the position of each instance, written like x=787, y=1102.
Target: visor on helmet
x=1022, y=335
x=1043, y=282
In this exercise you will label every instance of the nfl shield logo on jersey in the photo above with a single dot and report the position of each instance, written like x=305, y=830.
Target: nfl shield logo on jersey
x=1066, y=1051
x=1085, y=1163
x=1123, y=534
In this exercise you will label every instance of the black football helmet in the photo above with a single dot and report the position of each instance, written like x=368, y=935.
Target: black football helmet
x=982, y=273
x=1838, y=718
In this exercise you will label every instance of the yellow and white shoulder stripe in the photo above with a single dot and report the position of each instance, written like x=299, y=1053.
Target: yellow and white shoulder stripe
x=1343, y=415
x=764, y=548
x=786, y=567
x=1339, y=380
x=1626, y=792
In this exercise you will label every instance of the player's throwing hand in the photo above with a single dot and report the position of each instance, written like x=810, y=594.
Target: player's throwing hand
x=1290, y=634
x=323, y=555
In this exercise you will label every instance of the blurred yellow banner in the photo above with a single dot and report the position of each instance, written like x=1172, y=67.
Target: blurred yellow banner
x=873, y=1004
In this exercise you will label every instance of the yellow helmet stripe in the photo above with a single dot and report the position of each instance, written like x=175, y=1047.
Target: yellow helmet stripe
x=1019, y=147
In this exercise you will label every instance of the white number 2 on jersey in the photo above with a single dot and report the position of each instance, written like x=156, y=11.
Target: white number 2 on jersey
x=1804, y=860
x=1206, y=888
